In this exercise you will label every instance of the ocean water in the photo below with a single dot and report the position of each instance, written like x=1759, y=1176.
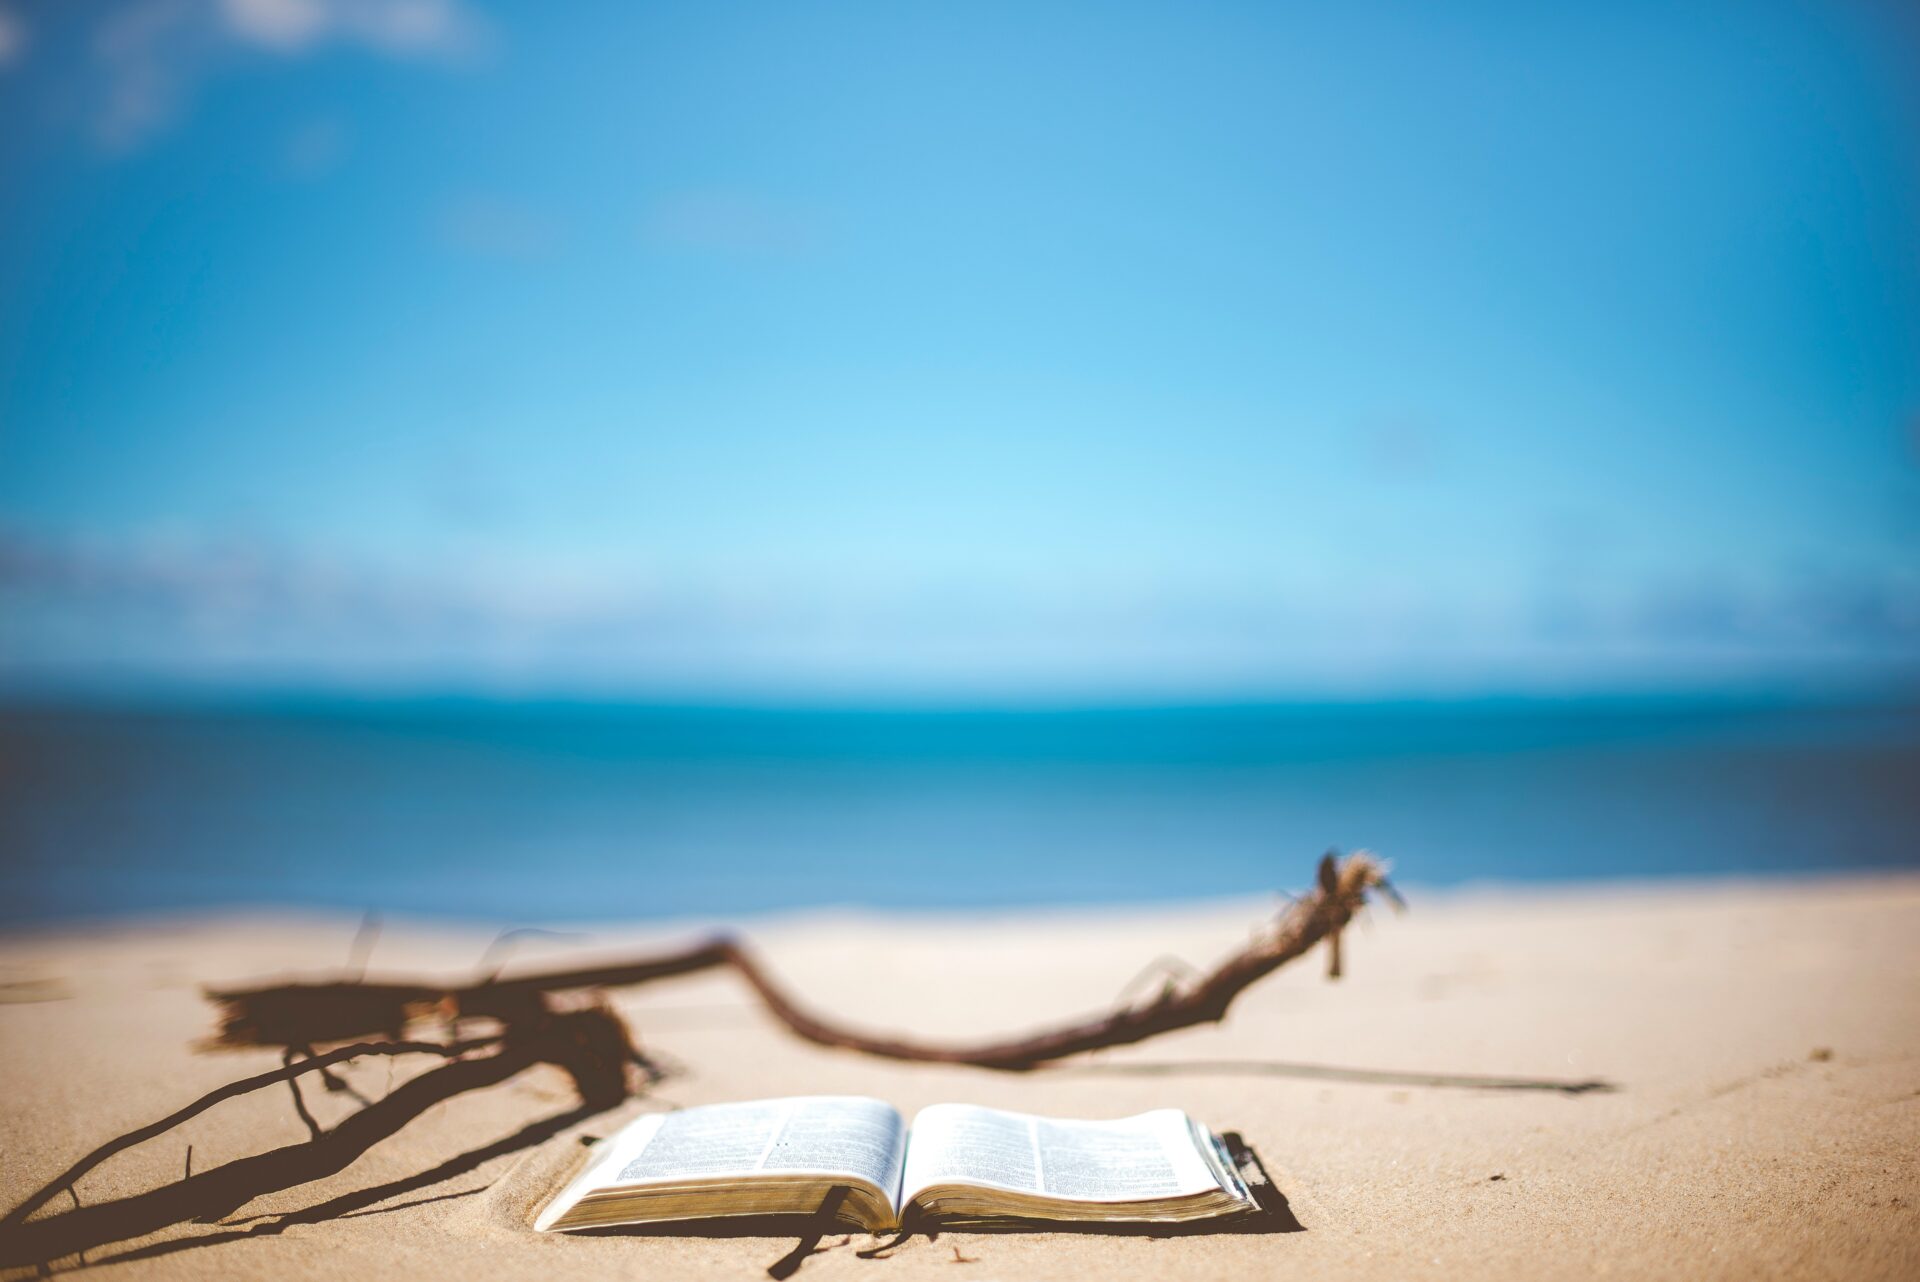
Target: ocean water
x=552, y=811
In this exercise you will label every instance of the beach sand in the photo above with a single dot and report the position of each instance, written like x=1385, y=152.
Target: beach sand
x=1762, y=1043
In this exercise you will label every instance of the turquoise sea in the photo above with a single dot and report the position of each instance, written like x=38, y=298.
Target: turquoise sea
x=542, y=811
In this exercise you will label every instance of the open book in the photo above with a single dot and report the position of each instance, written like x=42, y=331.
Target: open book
x=957, y=1163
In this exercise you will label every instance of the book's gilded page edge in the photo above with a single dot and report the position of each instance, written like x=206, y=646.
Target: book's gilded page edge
x=613, y=1154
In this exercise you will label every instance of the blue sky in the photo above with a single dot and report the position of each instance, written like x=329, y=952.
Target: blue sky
x=959, y=350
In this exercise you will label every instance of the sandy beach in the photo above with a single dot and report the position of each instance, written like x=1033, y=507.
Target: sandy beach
x=1754, y=1051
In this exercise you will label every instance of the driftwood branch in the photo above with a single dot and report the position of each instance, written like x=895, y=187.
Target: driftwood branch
x=302, y=1014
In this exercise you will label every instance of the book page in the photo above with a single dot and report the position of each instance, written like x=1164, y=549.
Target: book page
x=960, y=1143
x=816, y=1134
x=1131, y=1159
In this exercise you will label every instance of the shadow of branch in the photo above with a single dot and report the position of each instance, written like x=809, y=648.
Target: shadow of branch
x=590, y=1045
x=1338, y=1073
x=349, y=1205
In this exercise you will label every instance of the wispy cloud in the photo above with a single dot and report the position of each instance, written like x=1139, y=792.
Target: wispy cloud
x=728, y=224
x=150, y=56
x=167, y=606
x=498, y=227
x=316, y=149
x=1402, y=448
x=398, y=27
x=13, y=37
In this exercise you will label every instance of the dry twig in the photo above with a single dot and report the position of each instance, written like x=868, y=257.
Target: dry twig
x=304, y=1013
